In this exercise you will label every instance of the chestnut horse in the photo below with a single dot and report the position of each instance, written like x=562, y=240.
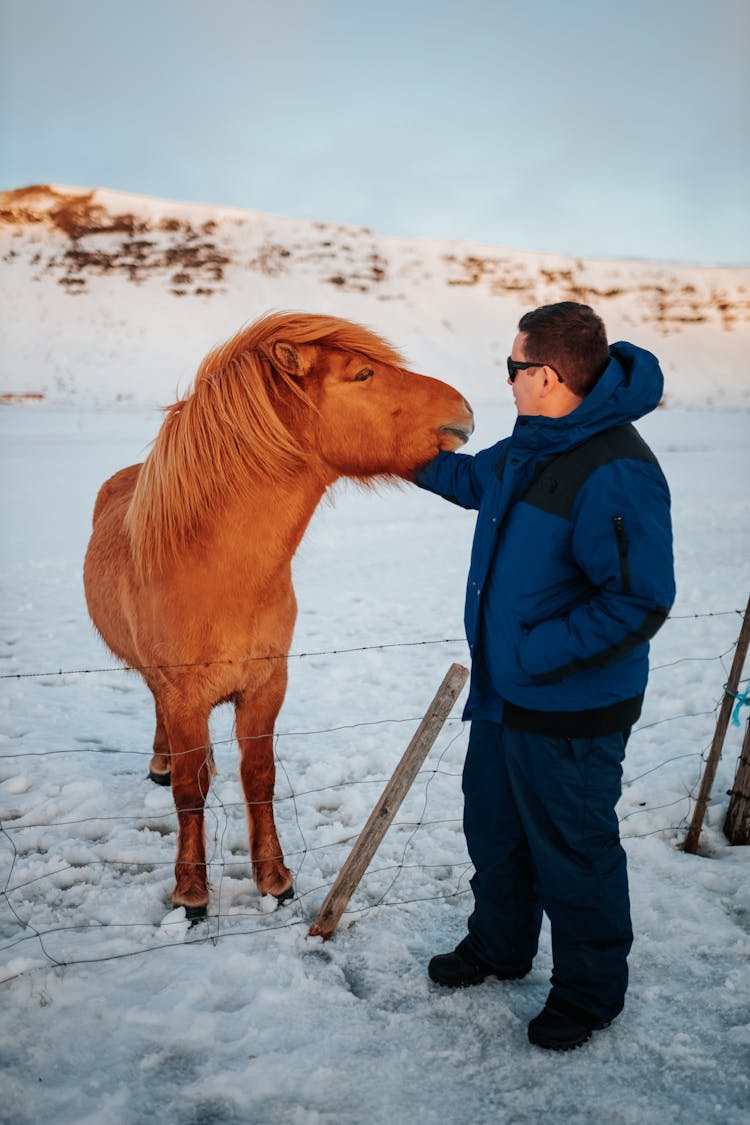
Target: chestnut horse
x=188, y=571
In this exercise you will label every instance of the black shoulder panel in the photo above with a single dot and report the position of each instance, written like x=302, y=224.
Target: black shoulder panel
x=500, y=465
x=557, y=485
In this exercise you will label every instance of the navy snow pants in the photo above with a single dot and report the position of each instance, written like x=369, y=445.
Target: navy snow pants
x=541, y=829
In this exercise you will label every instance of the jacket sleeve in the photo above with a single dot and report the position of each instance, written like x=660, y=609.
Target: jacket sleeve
x=622, y=543
x=460, y=477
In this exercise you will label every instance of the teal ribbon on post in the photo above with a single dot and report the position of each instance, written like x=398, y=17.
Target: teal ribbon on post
x=743, y=699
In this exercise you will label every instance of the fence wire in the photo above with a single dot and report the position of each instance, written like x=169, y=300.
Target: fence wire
x=298, y=655
x=222, y=924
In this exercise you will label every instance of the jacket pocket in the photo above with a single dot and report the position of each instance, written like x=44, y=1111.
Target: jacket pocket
x=622, y=551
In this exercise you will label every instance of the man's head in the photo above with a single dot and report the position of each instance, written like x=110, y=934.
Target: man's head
x=566, y=347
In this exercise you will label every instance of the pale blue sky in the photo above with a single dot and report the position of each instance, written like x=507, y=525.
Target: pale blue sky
x=608, y=128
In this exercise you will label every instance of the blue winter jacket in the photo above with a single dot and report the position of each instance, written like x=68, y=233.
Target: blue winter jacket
x=571, y=567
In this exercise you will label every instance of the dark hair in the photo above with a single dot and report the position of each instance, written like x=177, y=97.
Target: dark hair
x=569, y=337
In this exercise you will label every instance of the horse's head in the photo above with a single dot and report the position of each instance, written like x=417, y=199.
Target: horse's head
x=290, y=391
x=371, y=417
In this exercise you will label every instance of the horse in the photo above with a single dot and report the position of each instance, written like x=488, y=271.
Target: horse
x=187, y=574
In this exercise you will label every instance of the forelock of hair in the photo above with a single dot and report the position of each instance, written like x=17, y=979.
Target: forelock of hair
x=303, y=328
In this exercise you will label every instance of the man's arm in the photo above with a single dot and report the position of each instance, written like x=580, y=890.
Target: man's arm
x=622, y=541
x=460, y=477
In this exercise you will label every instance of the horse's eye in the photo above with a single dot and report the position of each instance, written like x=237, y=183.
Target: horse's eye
x=363, y=375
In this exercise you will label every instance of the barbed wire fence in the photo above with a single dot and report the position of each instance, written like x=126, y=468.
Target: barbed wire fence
x=222, y=923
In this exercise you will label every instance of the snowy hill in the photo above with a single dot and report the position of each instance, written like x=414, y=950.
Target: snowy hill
x=111, y=297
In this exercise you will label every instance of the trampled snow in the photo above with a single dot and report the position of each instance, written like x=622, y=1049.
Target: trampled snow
x=114, y=1011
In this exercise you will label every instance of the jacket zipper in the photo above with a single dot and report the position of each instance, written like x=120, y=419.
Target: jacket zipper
x=622, y=550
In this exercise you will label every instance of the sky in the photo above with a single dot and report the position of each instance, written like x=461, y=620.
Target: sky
x=593, y=128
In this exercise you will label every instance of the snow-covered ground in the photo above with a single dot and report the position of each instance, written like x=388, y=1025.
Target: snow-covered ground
x=113, y=1012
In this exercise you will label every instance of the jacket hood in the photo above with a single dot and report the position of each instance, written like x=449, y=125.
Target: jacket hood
x=630, y=386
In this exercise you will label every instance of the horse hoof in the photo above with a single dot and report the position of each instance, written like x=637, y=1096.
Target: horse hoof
x=160, y=778
x=196, y=914
x=285, y=896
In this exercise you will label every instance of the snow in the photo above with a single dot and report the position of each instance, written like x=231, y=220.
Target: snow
x=247, y=1019
x=113, y=1009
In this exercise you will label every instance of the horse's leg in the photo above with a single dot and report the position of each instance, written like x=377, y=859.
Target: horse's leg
x=256, y=715
x=159, y=769
x=192, y=766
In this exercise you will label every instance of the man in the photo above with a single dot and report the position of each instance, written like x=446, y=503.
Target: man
x=571, y=574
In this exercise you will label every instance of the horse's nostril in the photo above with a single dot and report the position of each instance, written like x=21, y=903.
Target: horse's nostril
x=468, y=407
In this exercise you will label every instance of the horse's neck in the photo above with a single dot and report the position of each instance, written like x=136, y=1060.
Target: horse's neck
x=260, y=533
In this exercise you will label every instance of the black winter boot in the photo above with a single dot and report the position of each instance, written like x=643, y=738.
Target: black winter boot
x=462, y=967
x=561, y=1026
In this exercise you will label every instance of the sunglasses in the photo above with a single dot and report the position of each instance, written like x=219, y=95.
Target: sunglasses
x=514, y=367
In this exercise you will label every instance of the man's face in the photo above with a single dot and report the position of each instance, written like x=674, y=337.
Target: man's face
x=526, y=385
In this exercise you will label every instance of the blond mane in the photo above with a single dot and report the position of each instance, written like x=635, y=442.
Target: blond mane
x=227, y=432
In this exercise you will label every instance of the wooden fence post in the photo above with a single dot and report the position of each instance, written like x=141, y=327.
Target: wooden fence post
x=699, y=812
x=737, y=823
x=390, y=802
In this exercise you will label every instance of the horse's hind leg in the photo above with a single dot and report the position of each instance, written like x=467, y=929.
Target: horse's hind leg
x=192, y=766
x=159, y=769
x=256, y=715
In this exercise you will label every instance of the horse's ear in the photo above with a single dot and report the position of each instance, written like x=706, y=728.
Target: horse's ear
x=292, y=360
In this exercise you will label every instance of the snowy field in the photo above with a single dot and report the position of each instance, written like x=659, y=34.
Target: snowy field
x=113, y=1012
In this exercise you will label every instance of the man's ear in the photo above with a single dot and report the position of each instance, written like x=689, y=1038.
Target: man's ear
x=292, y=360
x=550, y=381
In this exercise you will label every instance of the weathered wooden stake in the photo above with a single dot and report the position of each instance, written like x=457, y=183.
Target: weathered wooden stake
x=737, y=823
x=699, y=812
x=390, y=801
